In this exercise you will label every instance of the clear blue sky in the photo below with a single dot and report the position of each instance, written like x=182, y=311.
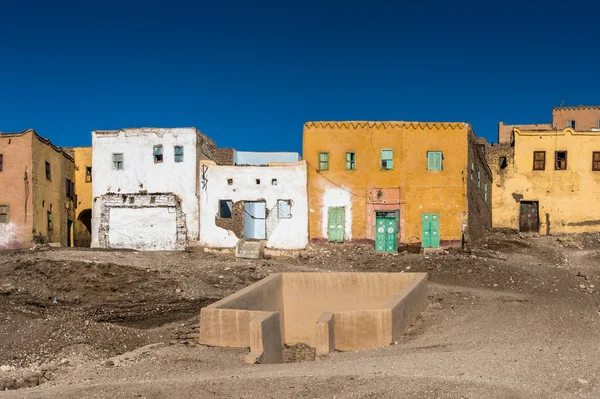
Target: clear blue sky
x=249, y=74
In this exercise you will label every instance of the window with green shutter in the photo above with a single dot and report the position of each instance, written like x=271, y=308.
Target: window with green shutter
x=434, y=160
x=387, y=159
x=323, y=161
x=350, y=161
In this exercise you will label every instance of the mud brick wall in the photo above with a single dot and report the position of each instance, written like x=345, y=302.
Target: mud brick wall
x=479, y=204
x=224, y=156
x=186, y=335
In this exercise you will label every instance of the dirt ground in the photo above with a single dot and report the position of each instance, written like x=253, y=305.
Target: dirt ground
x=517, y=317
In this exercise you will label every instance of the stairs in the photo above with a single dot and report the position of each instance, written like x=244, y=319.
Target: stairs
x=250, y=249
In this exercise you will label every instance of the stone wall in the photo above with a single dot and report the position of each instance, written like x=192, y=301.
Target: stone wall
x=479, y=179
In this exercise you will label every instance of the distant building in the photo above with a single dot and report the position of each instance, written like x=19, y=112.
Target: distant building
x=82, y=232
x=391, y=183
x=37, y=194
x=145, y=187
x=546, y=175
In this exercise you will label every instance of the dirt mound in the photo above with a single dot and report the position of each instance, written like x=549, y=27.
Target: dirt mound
x=299, y=352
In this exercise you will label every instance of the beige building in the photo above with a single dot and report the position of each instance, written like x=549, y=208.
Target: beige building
x=547, y=176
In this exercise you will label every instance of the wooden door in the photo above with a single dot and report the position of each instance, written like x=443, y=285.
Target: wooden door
x=335, y=225
x=529, y=218
x=386, y=226
x=430, y=230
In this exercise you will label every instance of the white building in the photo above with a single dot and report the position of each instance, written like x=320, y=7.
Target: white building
x=254, y=203
x=145, y=187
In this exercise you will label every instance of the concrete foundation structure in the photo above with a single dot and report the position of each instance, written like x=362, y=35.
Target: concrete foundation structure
x=328, y=311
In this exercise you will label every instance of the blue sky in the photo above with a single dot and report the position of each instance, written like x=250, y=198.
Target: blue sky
x=249, y=74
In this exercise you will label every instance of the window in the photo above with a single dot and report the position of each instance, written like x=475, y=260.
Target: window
x=323, y=161
x=503, y=163
x=273, y=182
x=539, y=160
x=178, y=153
x=158, y=153
x=387, y=159
x=434, y=160
x=257, y=181
x=350, y=161
x=69, y=188
x=3, y=213
x=225, y=209
x=230, y=182
x=560, y=160
x=48, y=175
x=485, y=192
x=153, y=199
x=132, y=200
x=88, y=174
x=284, y=209
x=596, y=161
x=571, y=124
x=1, y=161
x=117, y=161
x=472, y=169
x=49, y=215
x=479, y=179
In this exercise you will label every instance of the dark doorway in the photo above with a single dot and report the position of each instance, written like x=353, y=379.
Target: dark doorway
x=69, y=232
x=82, y=235
x=529, y=217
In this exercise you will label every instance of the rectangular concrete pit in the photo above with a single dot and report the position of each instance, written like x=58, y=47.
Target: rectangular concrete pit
x=344, y=311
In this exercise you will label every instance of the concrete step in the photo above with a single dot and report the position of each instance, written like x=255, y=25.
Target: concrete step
x=249, y=249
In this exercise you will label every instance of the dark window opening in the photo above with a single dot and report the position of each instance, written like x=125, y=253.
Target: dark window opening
x=571, y=124
x=539, y=160
x=230, y=182
x=257, y=181
x=273, y=182
x=48, y=174
x=131, y=200
x=152, y=199
x=69, y=188
x=1, y=162
x=561, y=160
x=158, y=153
x=503, y=163
x=50, y=225
x=596, y=161
x=225, y=209
x=88, y=174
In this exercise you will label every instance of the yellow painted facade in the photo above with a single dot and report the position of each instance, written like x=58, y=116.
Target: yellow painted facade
x=409, y=189
x=565, y=198
x=83, y=189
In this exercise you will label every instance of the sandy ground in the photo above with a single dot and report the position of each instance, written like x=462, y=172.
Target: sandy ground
x=515, y=318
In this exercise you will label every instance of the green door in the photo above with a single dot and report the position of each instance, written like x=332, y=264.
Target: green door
x=335, y=226
x=386, y=226
x=430, y=237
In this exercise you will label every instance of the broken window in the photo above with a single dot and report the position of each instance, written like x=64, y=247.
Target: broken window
x=273, y=182
x=284, y=209
x=225, y=209
x=350, y=161
x=503, y=163
x=323, y=161
x=117, y=161
x=3, y=213
x=48, y=175
x=1, y=162
x=434, y=160
x=229, y=182
x=571, y=124
x=387, y=159
x=158, y=153
x=178, y=153
x=88, y=174
x=49, y=215
x=560, y=160
x=539, y=160
x=596, y=161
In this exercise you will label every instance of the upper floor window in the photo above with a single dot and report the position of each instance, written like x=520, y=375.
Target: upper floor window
x=48, y=174
x=479, y=178
x=69, y=188
x=323, y=161
x=158, y=153
x=1, y=162
x=3, y=213
x=88, y=174
x=560, y=160
x=434, y=160
x=571, y=124
x=117, y=159
x=178, y=153
x=225, y=209
x=350, y=161
x=387, y=159
x=539, y=160
x=284, y=209
x=596, y=160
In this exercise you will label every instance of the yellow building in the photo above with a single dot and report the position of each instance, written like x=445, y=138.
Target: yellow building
x=83, y=187
x=547, y=181
x=396, y=183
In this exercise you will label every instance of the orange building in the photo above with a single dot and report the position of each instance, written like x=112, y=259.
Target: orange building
x=395, y=183
x=82, y=230
x=37, y=195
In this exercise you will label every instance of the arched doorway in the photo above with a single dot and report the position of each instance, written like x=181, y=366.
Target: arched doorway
x=83, y=229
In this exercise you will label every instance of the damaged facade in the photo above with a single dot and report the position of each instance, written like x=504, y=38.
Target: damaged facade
x=546, y=175
x=259, y=203
x=37, y=194
x=393, y=183
x=145, y=187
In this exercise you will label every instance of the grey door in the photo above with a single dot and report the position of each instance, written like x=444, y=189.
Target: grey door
x=255, y=215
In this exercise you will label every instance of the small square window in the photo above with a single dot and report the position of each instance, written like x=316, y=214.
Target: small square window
x=230, y=182
x=560, y=160
x=1, y=162
x=117, y=161
x=178, y=153
x=153, y=199
x=350, y=161
x=257, y=181
x=158, y=153
x=571, y=124
x=225, y=209
x=596, y=161
x=323, y=161
x=88, y=174
x=48, y=174
x=434, y=160
x=284, y=209
x=50, y=224
x=273, y=182
x=132, y=200
x=539, y=160
x=3, y=213
x=387, y=159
